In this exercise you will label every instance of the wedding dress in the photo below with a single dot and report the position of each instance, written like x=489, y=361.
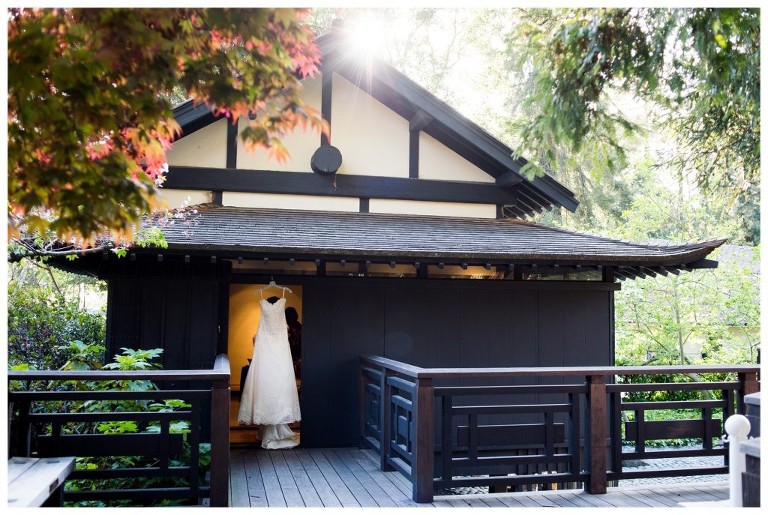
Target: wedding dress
x=269, y=397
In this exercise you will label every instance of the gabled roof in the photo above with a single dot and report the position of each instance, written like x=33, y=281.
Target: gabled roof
x=237, y=231
x=408, y=99
x=445, y=124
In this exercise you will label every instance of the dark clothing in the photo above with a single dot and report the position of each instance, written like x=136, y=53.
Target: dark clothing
x=294, y=339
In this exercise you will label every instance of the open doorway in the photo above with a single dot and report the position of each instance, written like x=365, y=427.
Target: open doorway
x=244, y=316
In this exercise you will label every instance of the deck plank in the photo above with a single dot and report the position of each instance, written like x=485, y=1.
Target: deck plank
x=399, y=480
x=621, y=500
x=383, y=480
x=358, y=490
x=653, y=501
x=476, y=503
x=343, y=493
x=303, y=483
x=272, y=487
x=319, y=482
x=662, y=494
x=561, y=499
x=493, y=502
x=257, y=495
x=714, y=494
x=511, y=501
x=687, y=493
x=293, y=498
x=351, y=477
x=238, y=484
x=372, y=487
x=595, y=500
x=531, y=501
x=677, y=495
x=580, y=500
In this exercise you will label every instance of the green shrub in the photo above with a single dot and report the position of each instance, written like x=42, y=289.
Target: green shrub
x=43, y=325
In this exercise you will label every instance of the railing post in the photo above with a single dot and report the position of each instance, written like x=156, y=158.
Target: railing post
x=596, y=399
x=385, y=422
x=747, y=384
x=220, y=397
x=361, y=381
x=737, y=427
x=423, y=438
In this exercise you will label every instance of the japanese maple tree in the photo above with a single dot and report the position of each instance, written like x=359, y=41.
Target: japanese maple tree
x=90, y=113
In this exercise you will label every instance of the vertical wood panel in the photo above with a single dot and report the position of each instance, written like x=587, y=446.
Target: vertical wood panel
x=423, y=326
x=151, y=316
x=315, y=374
x=357, y=316
x=203, y=324
x=124, y=320
x=176, y=333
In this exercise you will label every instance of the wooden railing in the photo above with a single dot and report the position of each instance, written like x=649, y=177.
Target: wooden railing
x=452, y=427
x=45, y=423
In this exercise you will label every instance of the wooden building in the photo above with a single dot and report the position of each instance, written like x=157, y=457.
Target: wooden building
x=409, y=241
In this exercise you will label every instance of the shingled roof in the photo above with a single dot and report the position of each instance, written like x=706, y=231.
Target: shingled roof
x=313, y=234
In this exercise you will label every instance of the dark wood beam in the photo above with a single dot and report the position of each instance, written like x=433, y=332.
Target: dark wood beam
x=702, y=264
x=325, y=101
x=413, y=154
x=302, y=183
x=419, y=121
x=231, y=144
x=509, y=178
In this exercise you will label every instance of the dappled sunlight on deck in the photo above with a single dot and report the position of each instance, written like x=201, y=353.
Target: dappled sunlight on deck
x=350, y=477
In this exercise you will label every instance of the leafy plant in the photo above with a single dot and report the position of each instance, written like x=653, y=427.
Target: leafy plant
x=47, y=330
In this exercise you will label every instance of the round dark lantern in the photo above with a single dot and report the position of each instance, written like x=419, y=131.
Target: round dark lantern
x=326, y=160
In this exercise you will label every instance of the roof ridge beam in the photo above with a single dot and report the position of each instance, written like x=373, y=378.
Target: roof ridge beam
x=509, y=178
x=419, y=121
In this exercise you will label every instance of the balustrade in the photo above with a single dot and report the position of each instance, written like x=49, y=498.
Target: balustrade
x=49, y=422
x=519, y=427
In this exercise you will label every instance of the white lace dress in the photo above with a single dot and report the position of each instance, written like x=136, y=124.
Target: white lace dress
x=269, y=397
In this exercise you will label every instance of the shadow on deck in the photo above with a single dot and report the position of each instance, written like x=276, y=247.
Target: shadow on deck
x=351, y=477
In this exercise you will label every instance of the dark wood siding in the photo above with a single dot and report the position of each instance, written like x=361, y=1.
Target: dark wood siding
x=430, y=323
x=179, y=315
x=436, y=323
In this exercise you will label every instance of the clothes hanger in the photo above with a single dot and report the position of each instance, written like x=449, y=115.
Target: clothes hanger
x=272, y=284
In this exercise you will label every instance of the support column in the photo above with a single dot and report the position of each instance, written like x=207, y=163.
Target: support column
x=598, y=435
x=423, y=438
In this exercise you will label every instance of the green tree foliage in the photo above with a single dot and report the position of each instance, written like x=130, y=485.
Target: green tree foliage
x=49, y=331
x=704, y=316
x=90, y=94
x=698, y=67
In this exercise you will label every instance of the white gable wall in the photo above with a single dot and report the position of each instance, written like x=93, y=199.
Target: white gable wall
x=418, y=207
x=438, y=162
x=205, y=147
x=301, y=144
x=180, y=198
x=373, y=140
x=299, y=202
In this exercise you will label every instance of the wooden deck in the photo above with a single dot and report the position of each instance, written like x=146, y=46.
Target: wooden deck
x=351, y=477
